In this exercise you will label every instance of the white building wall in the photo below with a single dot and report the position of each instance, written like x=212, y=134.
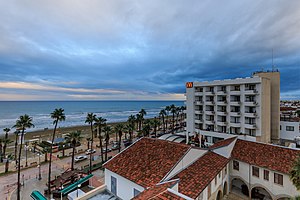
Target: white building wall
x=124, y=186
x=190, y=113
x=276, y=190
x=289, y=135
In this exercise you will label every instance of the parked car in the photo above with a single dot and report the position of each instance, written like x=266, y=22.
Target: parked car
x=115, y=146
x=90, y=151
x=80, y=158
x=104, y=150
x=127, y=143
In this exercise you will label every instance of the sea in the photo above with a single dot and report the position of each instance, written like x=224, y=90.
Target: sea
x=76, y=111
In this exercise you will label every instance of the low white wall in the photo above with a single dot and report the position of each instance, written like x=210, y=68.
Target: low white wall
x=124, y=186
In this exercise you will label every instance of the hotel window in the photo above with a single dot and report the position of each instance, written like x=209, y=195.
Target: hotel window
x=220, y=175
x=236, y=165
x=266, y=175
x=289, y=128
x=278, y=179
x=255, y=171
x=226, y=170
x=216, y=180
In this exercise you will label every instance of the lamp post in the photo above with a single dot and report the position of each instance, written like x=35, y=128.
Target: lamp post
x=61, y=194
x=26, y=149
x=78, y=186
x=39, y=166
x=63, y=150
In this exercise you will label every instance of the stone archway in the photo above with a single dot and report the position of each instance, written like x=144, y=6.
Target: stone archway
x=260, y=193
x=225, y=189
x=219, y=195
x=239, y=186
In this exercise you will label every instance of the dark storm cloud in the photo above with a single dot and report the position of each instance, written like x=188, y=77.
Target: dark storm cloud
x=143, y=49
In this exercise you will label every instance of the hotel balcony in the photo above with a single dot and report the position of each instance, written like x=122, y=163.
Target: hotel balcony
x=234, y=113
x=235, y=92
x=210, y=93
x=208, y=112
x=198, y=121
x=198, y=93
x=235, y=124
x=198, y=112
x=248, y=114
x=235, y=103
x=210, y=103
x=222, y=103
x=222, y=123
x=222, y=113
x=250, y=126
x=251, y=103
x=248, y=91
x=199, y=102
x=210, y=122
x=221, y=92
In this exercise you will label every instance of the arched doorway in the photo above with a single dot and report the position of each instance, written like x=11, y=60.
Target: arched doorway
x=225, y=189
x=260, y=193
x=219, y=195
x=239, y=186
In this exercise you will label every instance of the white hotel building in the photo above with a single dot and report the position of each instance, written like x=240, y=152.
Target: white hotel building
x=247, y=107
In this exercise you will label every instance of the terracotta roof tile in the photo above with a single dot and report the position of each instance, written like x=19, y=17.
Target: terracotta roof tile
x=223, y=143
x=287, y=108
x=167, y=195
x=265, y=155
x=155, y=191
x=147, y=161
x=195, y=178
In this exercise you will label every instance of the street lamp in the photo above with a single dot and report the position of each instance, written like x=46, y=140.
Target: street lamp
x=39, y=166
x=63, y=150
x=61, y=194
x=78, y=186
x=26, y=149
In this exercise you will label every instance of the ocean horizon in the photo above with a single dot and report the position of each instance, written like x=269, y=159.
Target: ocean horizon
x=76, y=111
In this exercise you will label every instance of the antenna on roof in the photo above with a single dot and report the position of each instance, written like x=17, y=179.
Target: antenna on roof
x=272, y=61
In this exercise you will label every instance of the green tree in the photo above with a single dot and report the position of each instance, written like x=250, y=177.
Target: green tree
x=295, y=173
x=119, y=128
x=100, y=122
x=155, y=123
x=146, y=128
x=130, y=128
x=24, y=122
x=162, y=115
x=173, y=111
x=107, y=130
x=17, y=132
x=8, y=158
x=6, y=130
x=57, y=115
x=167, y=109
x=90, y=119
x=73, y=138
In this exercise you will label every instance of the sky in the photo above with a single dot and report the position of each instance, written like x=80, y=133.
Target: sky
x=140, y=49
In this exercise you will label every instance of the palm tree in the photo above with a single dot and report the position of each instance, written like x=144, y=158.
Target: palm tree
x=1, y=150
x=146, y=129
x=119, y=131
x=90, y=118
x=107, y=130
x=88, y=142
x=142, y=113
x=5, y=143
x=73, y=138
x=22, y=124
x=173, y=111
x=168, y=109
x=130, y=128
x=162, y=114
x=155, y=123
x=57, y=115
x=139, y=120
x=46, y=150
x=8, y=158
x=100, y=122
x=6, y=130
x=295, y=173
x=17, y=132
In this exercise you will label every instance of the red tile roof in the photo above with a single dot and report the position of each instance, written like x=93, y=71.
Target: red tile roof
x=223, y=143
x=287, y=108
x=195, y=178
x=167, y=195
x=147, y=161
x=157, y=192
x=265, y=155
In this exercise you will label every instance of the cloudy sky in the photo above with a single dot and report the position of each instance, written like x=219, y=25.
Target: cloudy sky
x=140, y=49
